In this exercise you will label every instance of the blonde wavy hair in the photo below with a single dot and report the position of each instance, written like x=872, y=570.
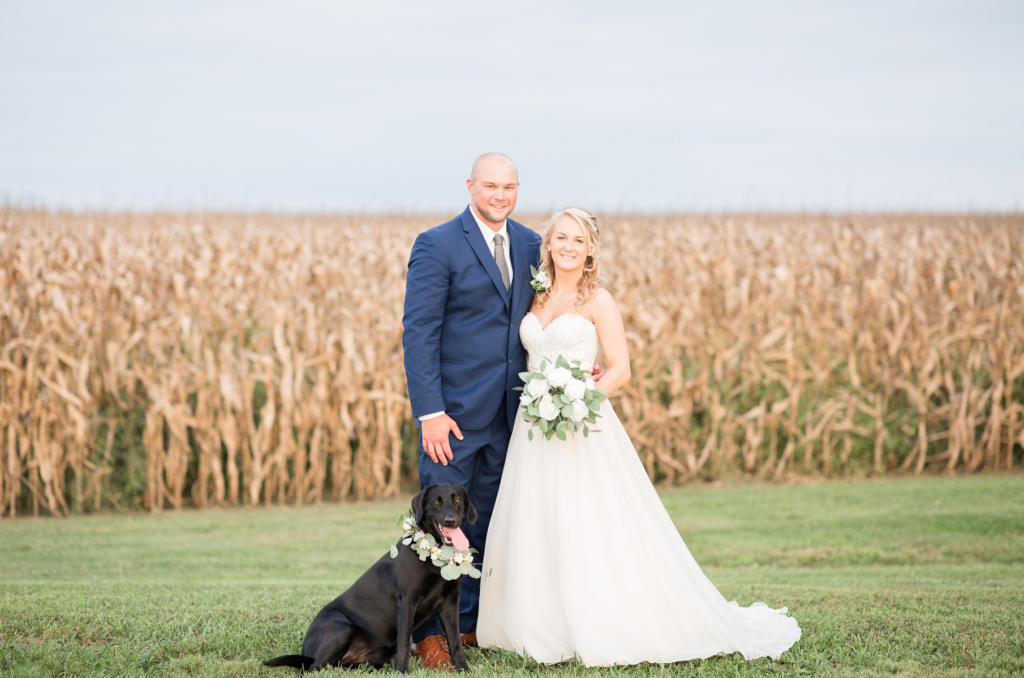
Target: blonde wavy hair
x=591, y=278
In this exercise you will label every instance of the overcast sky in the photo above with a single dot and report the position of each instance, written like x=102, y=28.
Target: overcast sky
x=382, y=106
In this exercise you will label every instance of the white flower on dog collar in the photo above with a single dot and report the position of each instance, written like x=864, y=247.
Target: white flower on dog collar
x=453, y=563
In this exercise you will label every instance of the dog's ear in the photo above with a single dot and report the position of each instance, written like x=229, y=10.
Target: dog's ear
x=471, y=514
x=418, y=505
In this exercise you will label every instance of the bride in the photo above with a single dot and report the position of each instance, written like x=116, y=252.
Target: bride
x=582, y=558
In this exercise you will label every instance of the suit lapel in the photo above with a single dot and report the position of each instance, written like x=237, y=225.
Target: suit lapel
x=483, y=253
x=520, y=260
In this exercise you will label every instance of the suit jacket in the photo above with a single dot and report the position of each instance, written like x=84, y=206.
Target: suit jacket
x=461, y=338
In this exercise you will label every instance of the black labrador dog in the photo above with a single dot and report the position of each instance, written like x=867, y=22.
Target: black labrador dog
x=374, y=619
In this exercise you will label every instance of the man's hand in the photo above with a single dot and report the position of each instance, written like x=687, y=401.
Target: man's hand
x=435, y=437
x=598, y=371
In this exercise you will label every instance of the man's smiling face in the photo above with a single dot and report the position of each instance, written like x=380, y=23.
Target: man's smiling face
x=493, y=187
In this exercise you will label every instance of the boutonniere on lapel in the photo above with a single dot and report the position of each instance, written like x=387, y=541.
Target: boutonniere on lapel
x=541, y=280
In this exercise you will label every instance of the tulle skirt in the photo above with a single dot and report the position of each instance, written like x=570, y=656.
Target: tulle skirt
x=584, y=561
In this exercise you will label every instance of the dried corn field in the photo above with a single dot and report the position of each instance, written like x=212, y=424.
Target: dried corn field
x=163, y=360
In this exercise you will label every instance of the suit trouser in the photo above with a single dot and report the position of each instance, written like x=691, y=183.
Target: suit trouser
x=477, y=463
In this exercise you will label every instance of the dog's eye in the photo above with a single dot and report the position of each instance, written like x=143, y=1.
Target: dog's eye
x=458, y=501
x=437, y=502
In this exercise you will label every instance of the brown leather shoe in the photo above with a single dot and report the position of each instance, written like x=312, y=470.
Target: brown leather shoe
x=433, y=653
x=468, y=639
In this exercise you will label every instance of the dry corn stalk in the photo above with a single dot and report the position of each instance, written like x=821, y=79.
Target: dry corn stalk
x=239, y=359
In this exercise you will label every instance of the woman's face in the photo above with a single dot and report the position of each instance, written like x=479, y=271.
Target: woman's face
x=568, y=244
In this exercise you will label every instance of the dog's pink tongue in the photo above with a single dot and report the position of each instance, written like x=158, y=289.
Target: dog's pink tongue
x=459, y=540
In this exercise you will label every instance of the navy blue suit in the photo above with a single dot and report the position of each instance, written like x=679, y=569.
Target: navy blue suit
x=463, y=356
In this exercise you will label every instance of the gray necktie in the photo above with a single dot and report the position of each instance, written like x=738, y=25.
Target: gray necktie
x=499, y=258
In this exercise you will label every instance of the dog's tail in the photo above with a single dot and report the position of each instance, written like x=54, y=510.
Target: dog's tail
x=297, y=661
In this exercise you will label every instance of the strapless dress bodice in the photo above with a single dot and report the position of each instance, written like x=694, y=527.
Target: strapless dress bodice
x=569, y=335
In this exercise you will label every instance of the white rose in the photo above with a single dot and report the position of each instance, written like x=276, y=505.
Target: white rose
x=544, y=279
x=575, y=389
x=457, y=558
x=547, y=408
x=559, y=377
x=537, y=387
x=590, y=383
x=579, y=410
x=525, y=399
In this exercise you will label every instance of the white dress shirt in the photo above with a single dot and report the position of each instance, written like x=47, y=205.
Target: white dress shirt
x=488, y=235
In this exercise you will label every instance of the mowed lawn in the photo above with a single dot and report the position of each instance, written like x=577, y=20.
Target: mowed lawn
x=915, y=577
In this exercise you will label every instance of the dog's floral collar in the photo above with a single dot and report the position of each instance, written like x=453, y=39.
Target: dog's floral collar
x=453, y=563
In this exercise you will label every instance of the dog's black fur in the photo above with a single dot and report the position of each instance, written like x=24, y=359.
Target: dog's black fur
x=374, y=619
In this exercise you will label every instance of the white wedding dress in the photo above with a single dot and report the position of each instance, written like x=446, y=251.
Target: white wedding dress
x=582, y=558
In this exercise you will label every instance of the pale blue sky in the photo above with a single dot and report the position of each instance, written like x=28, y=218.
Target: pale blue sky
x=382, y=106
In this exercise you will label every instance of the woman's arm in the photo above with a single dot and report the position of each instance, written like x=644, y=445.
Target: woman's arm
x=604, y=312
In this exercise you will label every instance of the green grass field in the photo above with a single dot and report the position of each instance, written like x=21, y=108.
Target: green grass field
x=915, y=577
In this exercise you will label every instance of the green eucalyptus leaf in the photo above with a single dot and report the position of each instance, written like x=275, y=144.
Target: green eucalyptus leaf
x=394, y=551
x=529, y=434
x=586, y=431
x=560, y=434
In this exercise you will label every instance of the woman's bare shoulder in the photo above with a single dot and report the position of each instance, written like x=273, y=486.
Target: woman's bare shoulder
x=601, y=303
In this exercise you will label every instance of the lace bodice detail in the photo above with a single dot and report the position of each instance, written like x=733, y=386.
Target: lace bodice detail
x=569, y=335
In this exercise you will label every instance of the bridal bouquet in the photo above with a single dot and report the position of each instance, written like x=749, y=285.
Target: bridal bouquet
x=559, y=398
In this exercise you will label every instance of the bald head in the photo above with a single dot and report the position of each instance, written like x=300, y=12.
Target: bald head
x=489, y=160
x=493, y=186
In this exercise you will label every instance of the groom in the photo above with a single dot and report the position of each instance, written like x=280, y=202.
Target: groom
x=467, y=290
